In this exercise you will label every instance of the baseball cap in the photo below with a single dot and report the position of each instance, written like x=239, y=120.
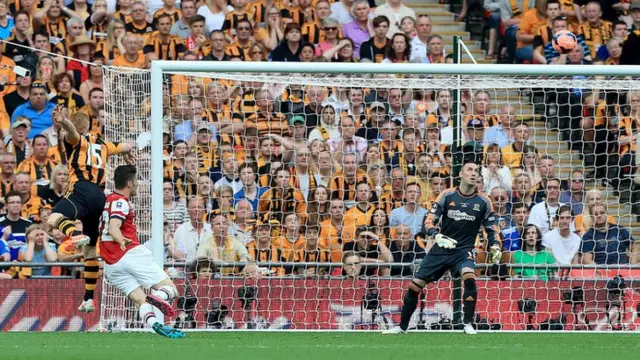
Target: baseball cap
x=21, y=122
x=203, y=126
x=297, y=119
x=363, y=228
x=475, y=123
x=634, y=6
x=377, y=104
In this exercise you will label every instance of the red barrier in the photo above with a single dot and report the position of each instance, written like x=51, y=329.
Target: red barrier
x=51, y=305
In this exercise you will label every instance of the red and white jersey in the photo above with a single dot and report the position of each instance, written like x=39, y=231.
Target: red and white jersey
x=117, y=207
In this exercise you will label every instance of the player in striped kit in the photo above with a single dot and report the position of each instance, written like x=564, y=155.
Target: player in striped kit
x=128, y=265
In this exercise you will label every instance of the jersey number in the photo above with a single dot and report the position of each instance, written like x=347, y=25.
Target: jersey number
x=104, y=225
x=94, y=152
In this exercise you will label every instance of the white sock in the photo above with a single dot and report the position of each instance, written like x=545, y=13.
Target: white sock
x=147, y=315
x=166, y=293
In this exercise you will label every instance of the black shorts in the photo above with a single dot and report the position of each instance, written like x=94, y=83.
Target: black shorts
x=85, y=203
x=433, y=266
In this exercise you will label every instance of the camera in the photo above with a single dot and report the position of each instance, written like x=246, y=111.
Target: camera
x=247, y=295
x=616, y=285
x=371, y=299
x=217, y=315
x=527, y=306
x=187, y=307
x=573, y=296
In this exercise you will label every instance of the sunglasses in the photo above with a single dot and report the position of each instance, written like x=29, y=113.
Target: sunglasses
x=244, y=28
x=331, y=28
x=578, y=180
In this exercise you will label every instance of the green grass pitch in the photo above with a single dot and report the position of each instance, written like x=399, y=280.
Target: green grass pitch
x=325, y=346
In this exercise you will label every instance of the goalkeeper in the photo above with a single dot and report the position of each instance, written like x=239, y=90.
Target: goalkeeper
x=454, y=222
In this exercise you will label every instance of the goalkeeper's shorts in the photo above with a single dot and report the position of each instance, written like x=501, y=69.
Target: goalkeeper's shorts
x=433, y=266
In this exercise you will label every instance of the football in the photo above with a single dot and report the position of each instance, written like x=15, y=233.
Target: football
x=564, y=41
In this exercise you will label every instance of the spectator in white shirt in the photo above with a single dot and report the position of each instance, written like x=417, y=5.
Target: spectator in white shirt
x=240, y=228
x=348, y=142
x=543, y=214
x=191, y=232
x=493, y=172
x=419, y=42
x=561, y=241
x=395, y=11
x=229, y=173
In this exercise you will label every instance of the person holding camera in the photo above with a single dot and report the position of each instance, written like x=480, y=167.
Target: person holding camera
x=371, y=250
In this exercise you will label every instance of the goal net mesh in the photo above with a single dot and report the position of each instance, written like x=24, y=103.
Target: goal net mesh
x=294, y=169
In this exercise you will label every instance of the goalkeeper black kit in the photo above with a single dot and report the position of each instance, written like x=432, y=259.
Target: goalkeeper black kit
x=460, y=217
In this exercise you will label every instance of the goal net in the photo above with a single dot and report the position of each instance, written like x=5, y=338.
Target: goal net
x=297, y=200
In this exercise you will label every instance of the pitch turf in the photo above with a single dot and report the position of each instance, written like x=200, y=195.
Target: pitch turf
x=324, y=346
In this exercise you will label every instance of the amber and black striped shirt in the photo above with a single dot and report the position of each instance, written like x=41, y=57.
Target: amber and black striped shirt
x=87, y=159
x=173, y=49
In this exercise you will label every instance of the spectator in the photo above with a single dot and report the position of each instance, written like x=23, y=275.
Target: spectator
x=65, y=97
x=379, y=225
x=606, y=243
x=341, y=11
x=250, y=190
x=371, y=250
x=281, y=198
x=38, y=250
x=398, y=50
x=312, y=252
x=219, y=245
x=31, y=203
x=513, y=153
x=513, y=233
x=241, y=228
x=188, y=10
x=575, y=195
x=629, y=56
x=229, y=173
x=164, y=45
x=390, y=146
x=511, y=13
x=17, y=97
x=223, y=200
x=547, y=170
x=113, y=45
x=500, y=133
x=14, y=227
x=493, y=172
x=595, y=31
x=57, y=186
x=561, y=241
x=331, y=31
x=232, y=17
x=318, y=208
x=395, y=11
x=192, y=232
x=6, y=23
x=435, y=50
x=543, y=213
x=327, y=128
x=139, y=24
x=614, y=48
x=500, y=199
x=17, y=143
x=343, y=52
x=331, y=229
x=351, y=265
x=347, y=142
x=360, y=213
x=289, y=49
x=131, y=57
x=37, y=109
x=39, y=165
x=404, y=249
x=21, y=34
x=361, y=29
x=174, y=211
x=528, y=27
x=409, y=156
x=522, y=190
x=291, y=238
x=408, y=26
x=492, y=22
x=262, y=249
x=412, y=213
x=584, y=221
x=374, y=48
x=532, y=253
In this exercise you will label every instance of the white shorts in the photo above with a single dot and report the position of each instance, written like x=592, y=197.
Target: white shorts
x=135, y=269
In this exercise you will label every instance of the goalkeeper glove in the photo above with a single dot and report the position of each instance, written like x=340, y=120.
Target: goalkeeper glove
x=496, y=254
x=445, y=242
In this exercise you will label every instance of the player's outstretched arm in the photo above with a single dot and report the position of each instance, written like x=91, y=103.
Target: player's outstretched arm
x=493, y=231
x=72, y=136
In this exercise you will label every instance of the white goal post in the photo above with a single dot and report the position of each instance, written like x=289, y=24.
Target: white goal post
x=516, y=82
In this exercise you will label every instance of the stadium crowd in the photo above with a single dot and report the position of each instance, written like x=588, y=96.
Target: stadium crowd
x=264, y=172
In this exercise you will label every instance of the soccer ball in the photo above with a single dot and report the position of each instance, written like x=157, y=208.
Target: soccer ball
x=564, y=41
